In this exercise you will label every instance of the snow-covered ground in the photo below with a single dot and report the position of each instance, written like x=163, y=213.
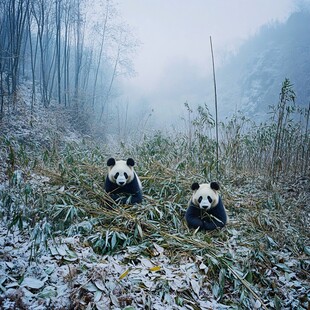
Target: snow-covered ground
x=252, y=264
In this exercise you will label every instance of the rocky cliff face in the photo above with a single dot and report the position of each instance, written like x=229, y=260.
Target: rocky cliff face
x=252, y=79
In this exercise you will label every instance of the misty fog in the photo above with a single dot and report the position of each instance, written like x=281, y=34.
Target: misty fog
x=123, y=68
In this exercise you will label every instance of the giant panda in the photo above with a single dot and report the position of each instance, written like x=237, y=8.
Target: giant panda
x=205, y=208
x=122, y=183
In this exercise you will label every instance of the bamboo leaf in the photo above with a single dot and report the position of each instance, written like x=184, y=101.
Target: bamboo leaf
x=140, y=231
x=32, y=283
x=124, y=274
x=114, y=240
x=195, y=286
x=155, y=268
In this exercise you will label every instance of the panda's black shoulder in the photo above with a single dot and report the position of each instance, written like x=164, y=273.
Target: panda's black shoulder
x=133, y=184
x=109, y=185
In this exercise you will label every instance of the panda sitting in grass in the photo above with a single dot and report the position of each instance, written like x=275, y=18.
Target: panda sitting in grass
x=122, y=183
x=205, y=209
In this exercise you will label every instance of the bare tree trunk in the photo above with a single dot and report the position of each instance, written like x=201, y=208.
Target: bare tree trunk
x=78, y=54
x=33, y=63
x=17, y=18
x=39, y=16
x=66, y=57
x=100, y=53
x=58, y=47
x=111, y=84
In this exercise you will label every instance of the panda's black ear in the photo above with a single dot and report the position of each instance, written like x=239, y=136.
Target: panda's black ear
x=215, y=186
x=130, y=162
x=111, y=162
x=195, y=186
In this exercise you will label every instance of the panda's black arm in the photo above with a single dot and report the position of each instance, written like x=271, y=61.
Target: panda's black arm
x=192, y=217
x=133, y=198
x=109, y=186
x=112, y=189
x=212, y=224
x=137, y=197
x=218, y=219
x=134, y=190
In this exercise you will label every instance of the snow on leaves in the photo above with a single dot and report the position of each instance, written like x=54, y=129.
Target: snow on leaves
x=69, y=274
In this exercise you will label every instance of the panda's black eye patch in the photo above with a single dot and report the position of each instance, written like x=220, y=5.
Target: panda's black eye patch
x=126, y=175
x=210, y=199
x=116, y=175
x=199, y=199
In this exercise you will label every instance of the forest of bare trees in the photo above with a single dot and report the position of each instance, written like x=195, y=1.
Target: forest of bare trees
x=70, y=51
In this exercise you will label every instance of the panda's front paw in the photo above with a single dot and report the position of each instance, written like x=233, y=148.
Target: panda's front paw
x=120, y=199
x=115, y=197
x=126, y=200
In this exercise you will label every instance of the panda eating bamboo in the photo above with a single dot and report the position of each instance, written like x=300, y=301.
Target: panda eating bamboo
x=122, y=183
x=205, y=209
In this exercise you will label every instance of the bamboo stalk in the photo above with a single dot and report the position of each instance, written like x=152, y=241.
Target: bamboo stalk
x=216, y=112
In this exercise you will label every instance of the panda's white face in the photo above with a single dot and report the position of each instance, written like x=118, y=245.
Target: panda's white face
x=204, y=196
x=120, y=172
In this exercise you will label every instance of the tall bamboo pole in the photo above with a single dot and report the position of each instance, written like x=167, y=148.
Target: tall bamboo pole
x=216, y=114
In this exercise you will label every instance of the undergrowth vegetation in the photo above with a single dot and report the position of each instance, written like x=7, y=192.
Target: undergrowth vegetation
x=260, y=260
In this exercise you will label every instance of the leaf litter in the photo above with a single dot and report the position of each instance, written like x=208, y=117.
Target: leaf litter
x=65, y=245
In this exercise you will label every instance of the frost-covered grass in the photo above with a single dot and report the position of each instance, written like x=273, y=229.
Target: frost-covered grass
x=65, y=245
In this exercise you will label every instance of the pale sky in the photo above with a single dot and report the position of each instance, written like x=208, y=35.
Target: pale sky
x=175, y=38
